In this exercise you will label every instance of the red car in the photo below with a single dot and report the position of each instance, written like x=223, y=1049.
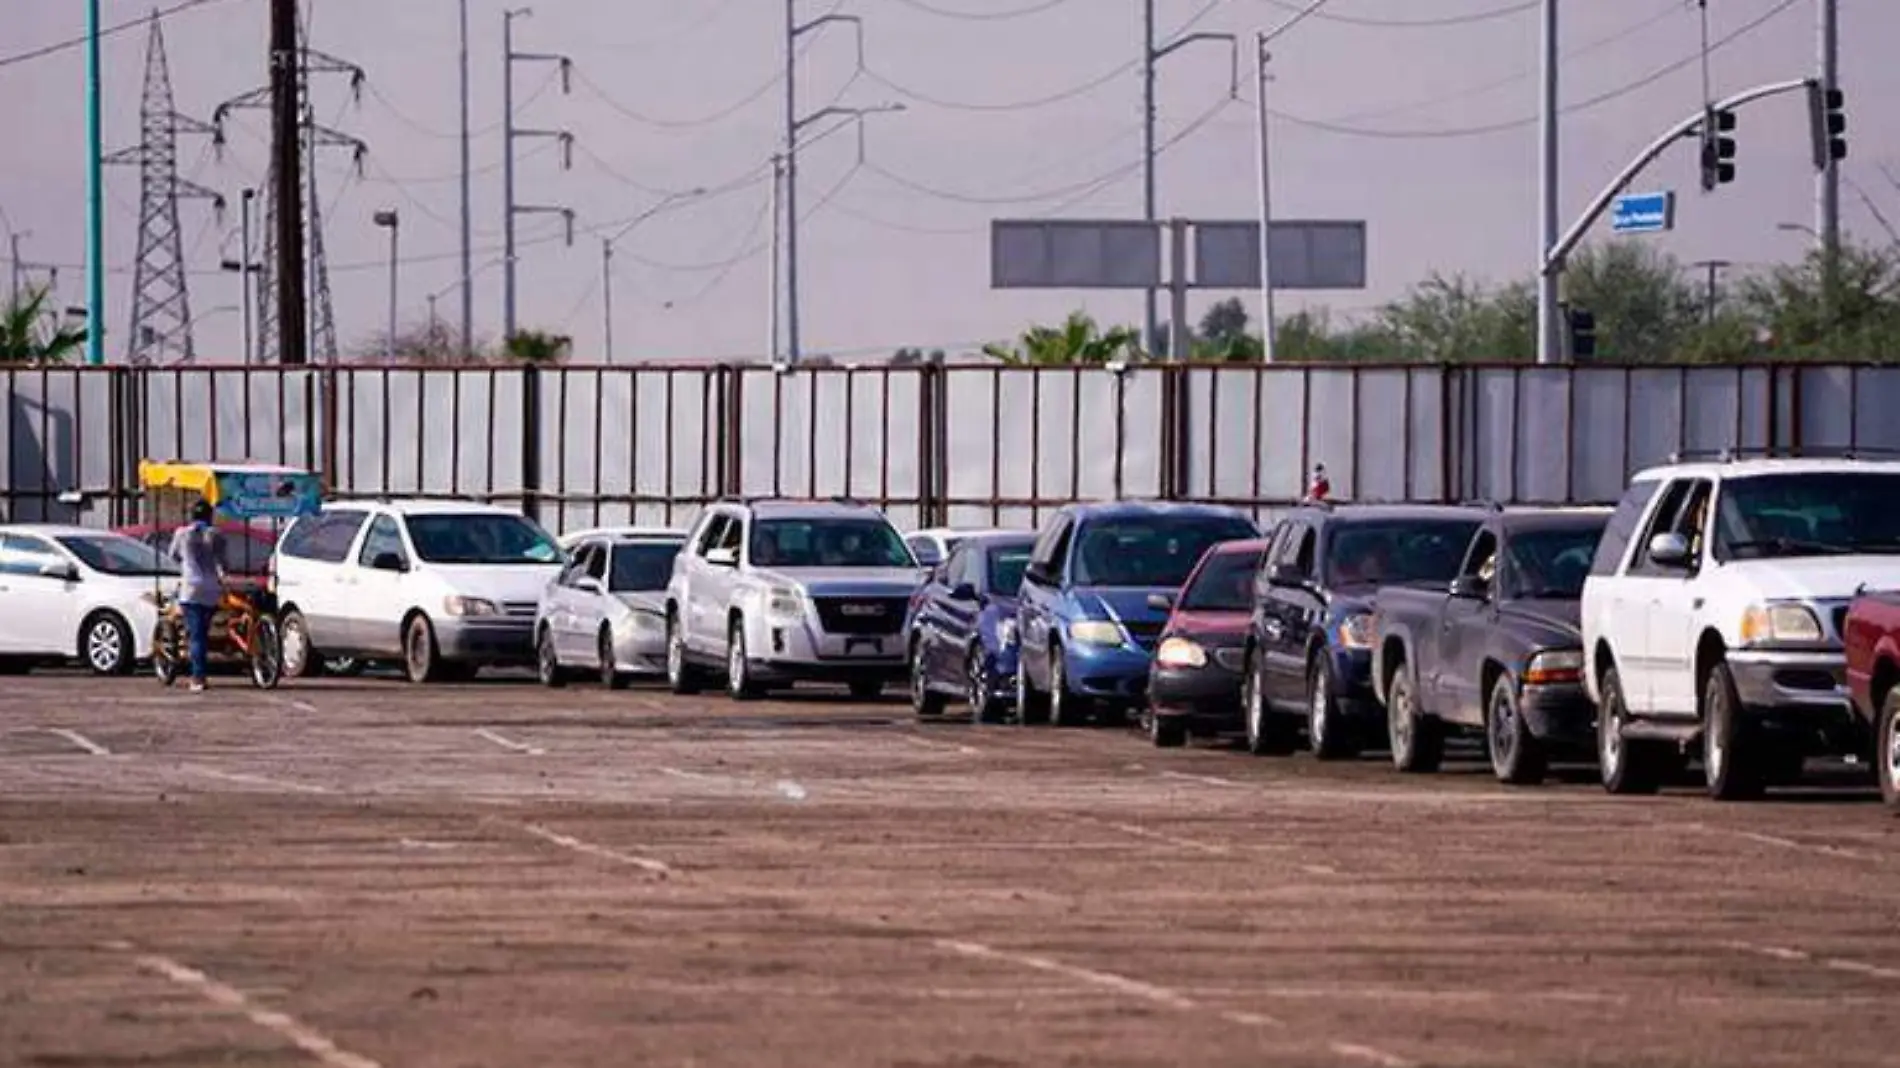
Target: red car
x=1194, y=683
x=1871, y=634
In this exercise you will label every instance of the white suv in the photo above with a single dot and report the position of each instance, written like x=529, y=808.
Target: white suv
x=445, y=587
x=777, y=592
x=1713, y=613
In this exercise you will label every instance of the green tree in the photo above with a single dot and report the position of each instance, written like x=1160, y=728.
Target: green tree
x=538, y=347
x=27, y=337
x=1791, y=312
x=1078, y=340
x=1647, y=308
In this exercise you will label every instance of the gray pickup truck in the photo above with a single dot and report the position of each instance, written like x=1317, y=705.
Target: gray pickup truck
x=1498, y=651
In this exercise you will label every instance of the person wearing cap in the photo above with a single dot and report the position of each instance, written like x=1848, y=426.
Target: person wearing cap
x=201, y=586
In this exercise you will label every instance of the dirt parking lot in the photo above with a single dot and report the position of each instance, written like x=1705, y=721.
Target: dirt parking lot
x=363, y=873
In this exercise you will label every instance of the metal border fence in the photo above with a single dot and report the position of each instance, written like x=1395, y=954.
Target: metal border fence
x=933, y=444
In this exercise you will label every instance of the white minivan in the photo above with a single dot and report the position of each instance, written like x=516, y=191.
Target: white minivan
x=444, y=587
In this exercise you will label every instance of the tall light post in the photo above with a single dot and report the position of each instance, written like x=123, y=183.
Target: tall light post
x=468, y=200
x=95, y=196
x=1267, y=318
x=246, y=269
x=1549, y=313
x=793, y=348
x=389, y=220
x=1798, y=228
x=607, y=260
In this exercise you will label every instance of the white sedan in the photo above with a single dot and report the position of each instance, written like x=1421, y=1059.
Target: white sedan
x=606, y=613
x=934, y=545
x=76, y=593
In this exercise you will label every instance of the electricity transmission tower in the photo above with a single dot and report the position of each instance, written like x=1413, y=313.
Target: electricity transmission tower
x=161, y=302
x=321, y=329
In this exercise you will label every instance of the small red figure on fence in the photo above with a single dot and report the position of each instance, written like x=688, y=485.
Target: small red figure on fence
x=1320, y=488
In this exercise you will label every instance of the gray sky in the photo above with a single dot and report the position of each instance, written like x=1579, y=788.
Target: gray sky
x=883, y=263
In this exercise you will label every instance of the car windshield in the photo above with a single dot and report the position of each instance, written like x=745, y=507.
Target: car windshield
x=1397, y=551
x=1225, y=583
x=1151, y=551
x=1550, y=563
x=642, y=567
x=1808, y=514
x=481, y=538
x=114, y=554
x=1006, y=569
x=828, y=543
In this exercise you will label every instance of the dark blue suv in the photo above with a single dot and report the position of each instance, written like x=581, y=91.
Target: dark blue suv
x=1309, y=647
x=1095, y=596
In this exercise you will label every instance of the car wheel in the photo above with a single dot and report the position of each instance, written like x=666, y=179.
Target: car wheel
x=923, y=701
x=1032, y=708
x=1627, y=765
x=610, y=674
x=1065, y=708
x=1887, y=758
x=739, y=685
x=547, y=662
x=422, y=658
x=681, y=678
x=1517, y=755
x=299, y=657
x=1732, y=763
x=105, y=644
x=1326, y=736
x=976, y=688
x=1267, y=731
x=1418, y=742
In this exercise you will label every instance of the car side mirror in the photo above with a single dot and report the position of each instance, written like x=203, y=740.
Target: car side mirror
x=1669, y=550
x=963, y=592
x=1470, y=588
x=1286, y=577
x=1036, y=574
x=388, y=562
x=61, y=570
x=589, y=584
x=723, y=557
x=1161, y=602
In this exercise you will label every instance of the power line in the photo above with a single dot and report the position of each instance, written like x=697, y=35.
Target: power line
x=985, y=16
x=1506, y=11
x=824, y=201
x=110, y=31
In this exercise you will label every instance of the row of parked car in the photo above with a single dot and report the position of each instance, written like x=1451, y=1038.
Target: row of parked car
x=1724, y=611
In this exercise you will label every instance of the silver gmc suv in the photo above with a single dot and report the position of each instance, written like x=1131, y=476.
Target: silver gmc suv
x=774, y=592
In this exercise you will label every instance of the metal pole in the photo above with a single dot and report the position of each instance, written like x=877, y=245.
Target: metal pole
x=772, y=328
x=13, y=243
x=1827, y=182
x=95, y=196
x=395, y=232
x=468, y=226
x=433, y=321
x=508, y=174
x=1180, y=338
x=1150, y=315
x=607, y=295
x=1549, y=332
x=246, y=268
x=1268, y=321
x=792, y=346
x=286, y=116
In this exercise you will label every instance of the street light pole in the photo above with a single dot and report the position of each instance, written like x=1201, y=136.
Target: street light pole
x=1549, y=329
x=391, y=221
x=607, y=296
x=1267, y=318
x=468, y=206
x=95, y=196
x=793, y=349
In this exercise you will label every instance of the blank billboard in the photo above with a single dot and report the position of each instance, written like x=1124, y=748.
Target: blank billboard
x=1074, y=254
x=1307, y=254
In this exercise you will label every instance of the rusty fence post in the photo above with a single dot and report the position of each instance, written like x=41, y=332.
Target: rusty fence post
x=531, y=441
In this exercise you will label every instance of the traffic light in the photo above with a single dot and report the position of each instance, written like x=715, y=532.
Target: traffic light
x=1583, y=333
x=1718, y=152
x=1828, y=121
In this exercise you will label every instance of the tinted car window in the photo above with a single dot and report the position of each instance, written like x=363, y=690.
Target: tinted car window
x=1225, y=583
x=1622, y=526
x=828, y=543
x=481, y=538
x=1549, y=563
x=642, y=567
x=112, y=554
x=1396, y=551
x=1808, y=514
x=1150, y=551
x=1006, y=567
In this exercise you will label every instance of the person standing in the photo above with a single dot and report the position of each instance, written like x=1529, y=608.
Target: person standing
x=196, y=548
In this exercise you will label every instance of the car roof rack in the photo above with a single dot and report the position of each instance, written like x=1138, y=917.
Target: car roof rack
x=1489, y=504
x=1733, y=453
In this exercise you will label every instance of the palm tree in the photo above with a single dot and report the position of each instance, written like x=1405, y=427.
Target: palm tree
x=1078, y=340
x=25, y=338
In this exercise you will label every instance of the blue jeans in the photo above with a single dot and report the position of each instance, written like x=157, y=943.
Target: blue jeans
x=198, y=634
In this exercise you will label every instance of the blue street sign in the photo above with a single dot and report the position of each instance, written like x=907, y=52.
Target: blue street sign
x=1644, y=213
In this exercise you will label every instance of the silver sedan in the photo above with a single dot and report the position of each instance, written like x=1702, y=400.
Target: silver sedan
x=606, y=613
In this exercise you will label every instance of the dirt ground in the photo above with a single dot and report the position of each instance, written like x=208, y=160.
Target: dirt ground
x=363, y=873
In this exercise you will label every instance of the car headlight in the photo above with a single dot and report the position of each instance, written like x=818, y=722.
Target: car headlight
x=1554, y=667
x=469, y=606
x=785, y=602
x=1779, y=623
x=1181, y=653
x=1006, y=633
x=1358, y=632
x=1095, y=632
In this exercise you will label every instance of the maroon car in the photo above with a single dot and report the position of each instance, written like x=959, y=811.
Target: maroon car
x=1194, y=682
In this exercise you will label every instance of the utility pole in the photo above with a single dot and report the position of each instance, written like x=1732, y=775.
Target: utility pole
x=13, y=263
x=287, y=157
x=771, y=284
x=391, y=221
x=510, y=133
x=1267, y=318
x=468, y=201
x=246, y=268
x=1150, y=56
x=1827, y=180
x=96, y=194
x=795, y=29
x=607, y=297
x=1714, y=268
x=1549, y=314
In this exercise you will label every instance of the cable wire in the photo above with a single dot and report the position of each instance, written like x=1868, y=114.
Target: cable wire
x=985, y=16
x=108, y=31
x=1506, y=11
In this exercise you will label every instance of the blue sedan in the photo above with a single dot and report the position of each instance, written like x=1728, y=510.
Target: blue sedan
x=962, y=627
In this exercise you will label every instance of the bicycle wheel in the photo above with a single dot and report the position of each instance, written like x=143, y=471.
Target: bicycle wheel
x=267, y=653
x=165, y=651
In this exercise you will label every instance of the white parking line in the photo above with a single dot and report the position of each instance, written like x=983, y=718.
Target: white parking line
x=1783, y=843
x=418, y=843
x=791, y=790
x=1367, y=1053
x=1121, y=984
x=80, y=740
x=509, y=743
x=302, y=706
x=1798, y=956
x=942, y=747
x=256, y=780
x=1169, y=839
x=647, y=864
x=1205, y=780
x=299, y=1035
